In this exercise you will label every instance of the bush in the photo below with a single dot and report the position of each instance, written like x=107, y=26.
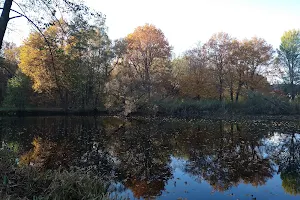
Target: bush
x=257, y=103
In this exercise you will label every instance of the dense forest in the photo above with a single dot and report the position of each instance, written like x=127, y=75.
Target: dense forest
x=68, y=63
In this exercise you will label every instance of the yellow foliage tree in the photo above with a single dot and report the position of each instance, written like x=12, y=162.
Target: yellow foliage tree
x=45, y=61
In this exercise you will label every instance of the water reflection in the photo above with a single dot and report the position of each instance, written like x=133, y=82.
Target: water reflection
x=228, y=158
x=138, y=153
x=285, y=151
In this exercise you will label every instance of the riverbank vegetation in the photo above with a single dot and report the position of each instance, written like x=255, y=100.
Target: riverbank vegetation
x=22, y=181
x=70, y=65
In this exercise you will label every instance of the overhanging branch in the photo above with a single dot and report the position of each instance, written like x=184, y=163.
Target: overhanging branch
x=46, y=40
x=15, y=17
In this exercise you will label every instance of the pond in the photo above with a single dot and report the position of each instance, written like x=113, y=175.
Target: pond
x=166, y=158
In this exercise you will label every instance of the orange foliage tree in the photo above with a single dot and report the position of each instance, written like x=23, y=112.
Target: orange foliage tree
x=148, y=52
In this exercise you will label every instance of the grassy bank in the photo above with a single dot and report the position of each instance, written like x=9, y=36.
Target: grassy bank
x=27, y=182
x=255, y=105
x=50, y=112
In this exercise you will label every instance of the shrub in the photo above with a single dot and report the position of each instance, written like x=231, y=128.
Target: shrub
x=257, y=103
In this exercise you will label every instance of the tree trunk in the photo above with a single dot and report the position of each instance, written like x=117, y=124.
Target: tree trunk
x=293, y=91
x=231, y=94
x=147, y=80
x=231, y=91
x=4, y=19
x=237, y=96
x=66, y=101
x=238, y=92
x=221, y=90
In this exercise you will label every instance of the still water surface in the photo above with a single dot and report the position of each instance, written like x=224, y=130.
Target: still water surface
x=167, y=158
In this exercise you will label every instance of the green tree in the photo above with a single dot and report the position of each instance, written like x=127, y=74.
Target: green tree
x=18, y=92
x=9, y=65
x=93, y=54
x=289, y=58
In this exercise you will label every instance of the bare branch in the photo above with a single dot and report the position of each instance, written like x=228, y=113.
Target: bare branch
x=58, y=21
x=15, y=17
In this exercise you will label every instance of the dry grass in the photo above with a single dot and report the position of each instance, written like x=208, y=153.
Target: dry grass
x=30, y=184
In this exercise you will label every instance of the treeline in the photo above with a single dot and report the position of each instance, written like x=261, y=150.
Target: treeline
x=73, y=65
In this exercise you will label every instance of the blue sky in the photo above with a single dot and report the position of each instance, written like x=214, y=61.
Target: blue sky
x=186, y=23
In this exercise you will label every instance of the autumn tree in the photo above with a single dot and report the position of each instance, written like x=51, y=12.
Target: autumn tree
x=147, y=53
x=289, y=58
x=179, y=70
x=141, y=71
x=238, y=61
x=46, y=69
x=225, y=67
x=250, y=60
x=195, y=79
x=73, y=61
x=232, y=68
x=258, y=56
x=218, y=54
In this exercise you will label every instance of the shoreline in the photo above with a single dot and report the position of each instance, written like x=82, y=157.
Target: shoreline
x=43, y=112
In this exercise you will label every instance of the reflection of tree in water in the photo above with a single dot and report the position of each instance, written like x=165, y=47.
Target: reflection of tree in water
x=228, y=156
x=137, y=153
x=145, y=189
x=291, y=180
x=143, y=153
x=46, y=155
x=285, y=150
x=68, y=144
